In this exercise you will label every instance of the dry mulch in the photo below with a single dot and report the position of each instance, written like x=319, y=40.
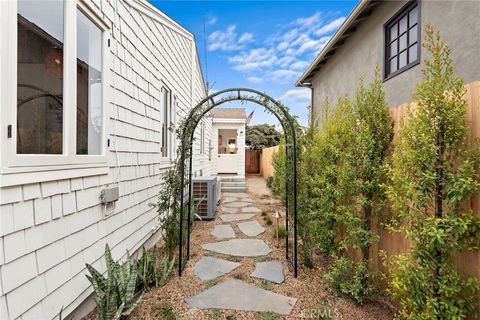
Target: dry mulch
x=314, y=300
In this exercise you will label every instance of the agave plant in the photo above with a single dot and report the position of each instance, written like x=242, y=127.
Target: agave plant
x=115, y=293
x=146, y=269
x=163, y=271
x=149, y=274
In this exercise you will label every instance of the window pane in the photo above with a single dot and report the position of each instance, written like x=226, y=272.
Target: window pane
x=412, y=35
x=89, y=86
x=165, y=123
x=393, y=32
x=413, y=53
x=403, y=42
x=413, y=16
x=40, y=77
x=403, y=24
x=402, y=62
x=393, y=48
x=393, y=65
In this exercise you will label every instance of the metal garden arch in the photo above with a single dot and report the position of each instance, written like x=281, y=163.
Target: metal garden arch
x=186, y=133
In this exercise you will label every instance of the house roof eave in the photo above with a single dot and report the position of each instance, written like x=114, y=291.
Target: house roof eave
x=361, y=11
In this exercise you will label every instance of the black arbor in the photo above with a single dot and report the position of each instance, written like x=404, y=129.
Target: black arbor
x=186, y=133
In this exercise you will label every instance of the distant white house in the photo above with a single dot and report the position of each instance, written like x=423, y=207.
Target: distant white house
x=229, y=141
x=90, y=92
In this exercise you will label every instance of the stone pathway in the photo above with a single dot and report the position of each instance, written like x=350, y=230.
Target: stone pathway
x=269, y=270
x=235, y=294
x=251, y=228
x=223, y=231
x=209, y=268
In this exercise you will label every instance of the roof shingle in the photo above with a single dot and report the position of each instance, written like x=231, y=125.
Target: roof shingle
x=228, y=113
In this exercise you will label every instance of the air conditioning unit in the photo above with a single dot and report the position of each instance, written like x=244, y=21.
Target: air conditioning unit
x=206, y=196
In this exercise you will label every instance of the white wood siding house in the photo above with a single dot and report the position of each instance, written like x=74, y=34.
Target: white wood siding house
x=88, y=90
x=229, y=139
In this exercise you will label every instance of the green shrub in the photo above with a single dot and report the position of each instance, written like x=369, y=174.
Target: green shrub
x=282, y=232
x=270, y=182
x=278, y=162
x=433, y=173
x=350, y=279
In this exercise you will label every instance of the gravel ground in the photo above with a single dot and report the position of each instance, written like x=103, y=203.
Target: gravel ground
x=314, y=301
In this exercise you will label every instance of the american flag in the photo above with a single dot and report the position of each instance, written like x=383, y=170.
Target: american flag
x=247, y=120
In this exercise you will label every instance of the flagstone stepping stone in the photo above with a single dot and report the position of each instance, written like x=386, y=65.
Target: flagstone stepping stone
x=239, y=247
x=237, y=204
x=209, y=268
x=251, y=228
x=269, y=270
x=251, y=210
x=229, y=199
x=236, y=217
x=246, y=199
x=236, y=194
x=223, y=231
x=230, y=210
x=237, y=295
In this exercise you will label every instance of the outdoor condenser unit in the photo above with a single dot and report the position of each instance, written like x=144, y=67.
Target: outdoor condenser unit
x=206, y=195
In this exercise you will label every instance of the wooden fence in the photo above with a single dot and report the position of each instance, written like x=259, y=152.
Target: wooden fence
x=266, y=167
x=467, y=263
x=392, y=244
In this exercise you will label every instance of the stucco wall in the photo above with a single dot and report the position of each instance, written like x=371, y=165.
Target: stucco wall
x=49, y=230
x=458, y=23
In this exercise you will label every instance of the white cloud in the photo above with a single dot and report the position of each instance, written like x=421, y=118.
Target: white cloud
x=224, y=40
x=285, y=61
x=299, y=65
x=253, y=60
x=300, y=96
x=246, y=37
x=282, y=45
x=255, y=79
x=283, y=75
x=309, y=21
x=330, y=27
x=212, y=20
x=313, y=45
x=284, y=53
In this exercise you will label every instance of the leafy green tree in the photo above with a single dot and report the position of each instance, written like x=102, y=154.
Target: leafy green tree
x=262, y=136
x=372, y=133
x=366, y=135
x=434, y=170
x=320, y=166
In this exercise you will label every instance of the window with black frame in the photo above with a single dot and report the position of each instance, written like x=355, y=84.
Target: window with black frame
x=402, y=40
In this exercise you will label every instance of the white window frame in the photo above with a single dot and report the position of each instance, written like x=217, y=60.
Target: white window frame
x=18, y=168
x=202, y=138
x=165, y=132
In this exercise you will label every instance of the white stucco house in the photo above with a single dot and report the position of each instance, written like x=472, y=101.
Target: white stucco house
x=229, y=147
x=89, y=92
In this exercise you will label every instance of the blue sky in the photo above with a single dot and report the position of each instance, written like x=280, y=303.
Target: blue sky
x=264, y=45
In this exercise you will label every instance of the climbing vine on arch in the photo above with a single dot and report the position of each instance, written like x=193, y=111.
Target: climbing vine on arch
x=174, y=209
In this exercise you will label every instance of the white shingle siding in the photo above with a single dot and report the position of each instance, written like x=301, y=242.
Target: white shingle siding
x=49, y=230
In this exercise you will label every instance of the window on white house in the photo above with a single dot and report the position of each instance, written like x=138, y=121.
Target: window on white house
x=202, y=139
x=89, y=86
x=210, y=150
x=40, y=77
x=166, y=114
